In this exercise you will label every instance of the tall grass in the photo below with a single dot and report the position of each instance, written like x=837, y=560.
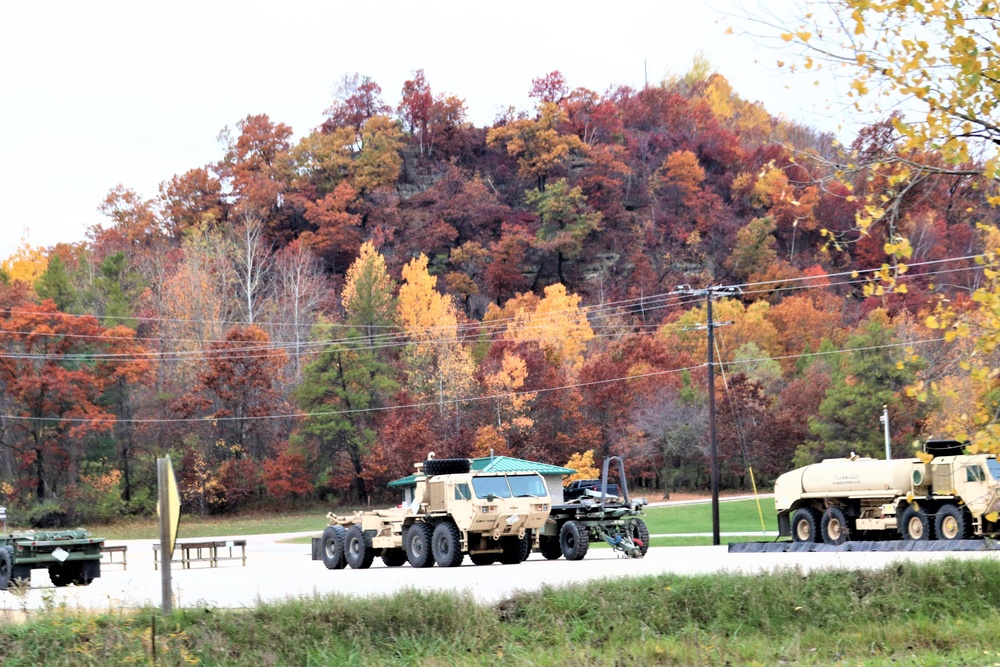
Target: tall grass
x=941, y=613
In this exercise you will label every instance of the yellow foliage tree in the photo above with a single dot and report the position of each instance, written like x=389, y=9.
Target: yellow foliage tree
x=26, y=263
x=583, y=464
x=537, y=143
x=556, y=322
x=510, y=405
x=367, y=294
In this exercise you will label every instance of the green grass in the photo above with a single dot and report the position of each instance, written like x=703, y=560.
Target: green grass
x=737, y=516
x=194, y=526
x=908, y=614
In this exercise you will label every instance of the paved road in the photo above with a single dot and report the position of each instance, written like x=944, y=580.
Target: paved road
x=275, y=571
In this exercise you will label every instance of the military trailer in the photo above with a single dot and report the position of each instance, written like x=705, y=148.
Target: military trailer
x=595, y=515
x=455, y=512
x=951, y=497
x=70, y=556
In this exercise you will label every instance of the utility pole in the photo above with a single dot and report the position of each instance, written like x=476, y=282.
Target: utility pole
x=885, y=423
x=708, y=292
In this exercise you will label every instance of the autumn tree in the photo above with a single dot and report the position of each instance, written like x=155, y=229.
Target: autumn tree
x=416, y=105
x=440, y=365
x=357, y=99
x=55, y=390
x=368, y=294
x=239, y=390
x=566, y=221
x=539, y=146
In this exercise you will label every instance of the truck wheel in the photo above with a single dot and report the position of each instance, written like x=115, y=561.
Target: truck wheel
x=483, y=559
x=418, y=545
x=805, y=524
x=549, y=546
x=6, y=567
x=573, y=540
x=951, y=523
x=446, y=544
x=393, y=557
x=358, y=548
x=63, y=575
x=446, y=466
x=915, y=525
x=834, y=526
x=639, y=532
x=511, y=554
x=526, y=543
x=333, y=547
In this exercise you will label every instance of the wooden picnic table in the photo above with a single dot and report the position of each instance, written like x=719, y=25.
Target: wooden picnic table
x=210, y=552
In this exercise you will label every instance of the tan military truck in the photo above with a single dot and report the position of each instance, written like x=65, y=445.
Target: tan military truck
x=953, y=496
x=489, y=516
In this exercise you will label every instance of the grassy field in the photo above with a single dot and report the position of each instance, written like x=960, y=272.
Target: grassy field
x=937, y=614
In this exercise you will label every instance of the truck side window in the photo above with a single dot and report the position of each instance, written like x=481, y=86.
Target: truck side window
x=975, y=474
x=462, y=492
x=994, y=467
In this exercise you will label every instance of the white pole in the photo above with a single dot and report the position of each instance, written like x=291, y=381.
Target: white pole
x=165, y=588
x=885, y=424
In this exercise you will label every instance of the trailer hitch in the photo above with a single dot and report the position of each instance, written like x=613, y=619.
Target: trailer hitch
x=622, y=543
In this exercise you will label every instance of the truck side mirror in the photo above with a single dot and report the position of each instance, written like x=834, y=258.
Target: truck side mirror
x=490, y=497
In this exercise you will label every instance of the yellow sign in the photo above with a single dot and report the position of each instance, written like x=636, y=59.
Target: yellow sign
x=173, y=507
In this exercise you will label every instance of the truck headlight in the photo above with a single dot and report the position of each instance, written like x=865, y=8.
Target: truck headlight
x=541, y=508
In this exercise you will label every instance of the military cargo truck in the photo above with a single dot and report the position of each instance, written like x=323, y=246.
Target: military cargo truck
x=951, y=496
x=455, y=512
x=70, y=556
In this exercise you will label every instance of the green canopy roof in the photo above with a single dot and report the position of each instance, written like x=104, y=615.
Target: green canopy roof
x=499, y=464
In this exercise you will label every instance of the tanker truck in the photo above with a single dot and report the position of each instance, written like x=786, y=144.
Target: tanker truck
x=946, y=495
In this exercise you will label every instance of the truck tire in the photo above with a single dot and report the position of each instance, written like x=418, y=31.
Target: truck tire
x=805, y=525
x=358, y=548
x=6, y=567
x=417, y=542
x=548, y=545
x=446, y=466
x=915, y=525
x=393, y=557
x=511, y=554
x=834, y=526
x=573, y=540
x=483, y=559
x=951, y=523
x=446, y=544
x=526, y=542
x=65, y=574
x=638, y=531
x=332, y=547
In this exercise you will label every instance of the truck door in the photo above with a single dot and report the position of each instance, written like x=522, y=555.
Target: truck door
x=971, y=480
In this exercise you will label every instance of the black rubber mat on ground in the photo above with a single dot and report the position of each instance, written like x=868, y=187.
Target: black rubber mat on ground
x=888, y=545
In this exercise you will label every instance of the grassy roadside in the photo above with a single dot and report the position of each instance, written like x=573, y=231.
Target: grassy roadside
x=940, y=614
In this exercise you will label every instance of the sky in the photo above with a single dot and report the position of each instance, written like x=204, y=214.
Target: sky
x=100, y=93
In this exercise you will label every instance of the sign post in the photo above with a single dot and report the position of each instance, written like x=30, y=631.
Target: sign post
x=169, y=509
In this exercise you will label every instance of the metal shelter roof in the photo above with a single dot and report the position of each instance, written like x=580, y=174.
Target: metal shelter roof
x=499, y=464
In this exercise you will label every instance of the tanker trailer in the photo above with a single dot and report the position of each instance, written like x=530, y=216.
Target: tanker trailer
x=950, y=497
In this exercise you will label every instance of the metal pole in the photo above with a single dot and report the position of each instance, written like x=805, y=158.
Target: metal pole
x=711, y=422
x=165, y=588
x=885, y=423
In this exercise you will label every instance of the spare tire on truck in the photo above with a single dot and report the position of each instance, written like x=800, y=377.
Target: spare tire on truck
x=446, y=466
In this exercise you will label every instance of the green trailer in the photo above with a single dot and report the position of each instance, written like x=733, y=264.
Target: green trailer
x=70, y=556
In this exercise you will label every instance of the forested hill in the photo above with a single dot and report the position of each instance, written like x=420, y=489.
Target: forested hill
x=308, y=318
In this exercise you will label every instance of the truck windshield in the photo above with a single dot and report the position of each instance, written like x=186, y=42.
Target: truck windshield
x=526, y=486
x=484, y=486
x=994, y=467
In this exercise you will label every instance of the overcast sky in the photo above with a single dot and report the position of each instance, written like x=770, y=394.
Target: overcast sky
x=93, y=94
